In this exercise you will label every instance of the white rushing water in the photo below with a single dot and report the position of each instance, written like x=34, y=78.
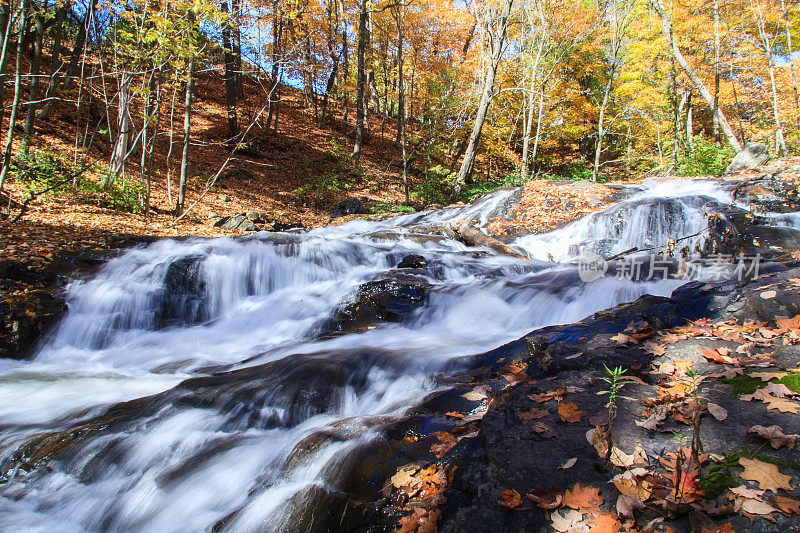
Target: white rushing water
x=241, y=320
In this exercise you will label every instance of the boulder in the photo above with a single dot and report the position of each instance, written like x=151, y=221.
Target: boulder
x=240, y=221
x=350, y=206
x=413, y=261
x=751, y=156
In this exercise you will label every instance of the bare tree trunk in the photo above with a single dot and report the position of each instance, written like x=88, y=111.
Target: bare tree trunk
x=117, y=165
x=6, y=22
x=598, y=148
x=496, y=40
x=780, y=144
x=689, y=123
x=397, y=12
x=361, y=80
x=236, y=25
x=698, y=83
x=33, y=90
x=17, y=91
x=55, y=63
x=717, y=76
x=80, y=43
x=230, y=80
x=791, y=65
x=187, y=133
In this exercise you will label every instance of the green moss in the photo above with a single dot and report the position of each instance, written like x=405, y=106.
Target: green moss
x=721, y=476
x=743, y=384
x=716, y=483
x=746, y=384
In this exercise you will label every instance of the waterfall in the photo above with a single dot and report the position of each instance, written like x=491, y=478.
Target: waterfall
x=209, y=387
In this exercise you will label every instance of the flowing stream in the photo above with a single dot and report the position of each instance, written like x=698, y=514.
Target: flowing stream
x=213, y=395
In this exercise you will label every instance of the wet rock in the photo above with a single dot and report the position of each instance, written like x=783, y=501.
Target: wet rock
x=183, y=299
x=25, y=319
x=413, y=261
x=735, y=231
x=751, y=156
x=240, y=222
x=770, y=193
x=350, y=206
x=390, y=299
x=257, y=216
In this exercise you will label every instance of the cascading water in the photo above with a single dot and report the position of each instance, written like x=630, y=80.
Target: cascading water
x=209, y=390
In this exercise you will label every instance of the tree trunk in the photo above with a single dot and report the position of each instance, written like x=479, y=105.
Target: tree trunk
x=33, y=91
x=17, y=91
x=80, y=43
x=361, y=81
x=117, y=165
x=689, y=123
x=791, y=65
x=55, y=63
x=5, y=24
x=496, y=44
x=598, y=148
x=230, y=80
x=717, y=76
x=187, y=133
x=237, y=47
x=397, y=12
x=666, y=24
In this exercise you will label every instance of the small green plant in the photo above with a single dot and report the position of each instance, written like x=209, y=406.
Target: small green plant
x=437, y=187
x=705, y=160
x=615, y=384
x=388, y=207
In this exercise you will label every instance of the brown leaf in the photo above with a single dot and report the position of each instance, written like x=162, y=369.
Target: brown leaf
x=547, y=396
x=478, y=394
x=510, y=499
x=787, y=506
x=546, y=499
x=569, y=463
x=454, y=414
x=766, y=376
x=766, y=474
x=775, y=436
x=542, y=428
x=779, y=390
x=569, y=412
x=533, y=414
x=716, y=357
x=571, y=522
x=717, y=411
x=605, y=523
x=583, y=498
x=626, y=505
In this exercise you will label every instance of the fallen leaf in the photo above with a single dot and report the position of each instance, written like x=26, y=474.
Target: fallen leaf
x=542, y=428
x=756, y=507
x=605, y=523
x=765, y=474
x=510, y=499
x=779, y=390
x=571, y=522
x=569, y=463
x=549, y=395
x=717, y=411
x=533, y=414
x=717, y=357
x=569, y=412
x=766, y=376
x=745, y=492
x=627, y=504
x=787, y=506
x=621, y=338
x=768, y=295
x=583, y=498
x=546, y=499
x=478, y=394
x=775, y=436
x=781, y=404
x=446, y=441
x=454, y=414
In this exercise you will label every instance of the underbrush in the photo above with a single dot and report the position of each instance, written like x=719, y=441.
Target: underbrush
x=706, y=160
x=46, y=174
